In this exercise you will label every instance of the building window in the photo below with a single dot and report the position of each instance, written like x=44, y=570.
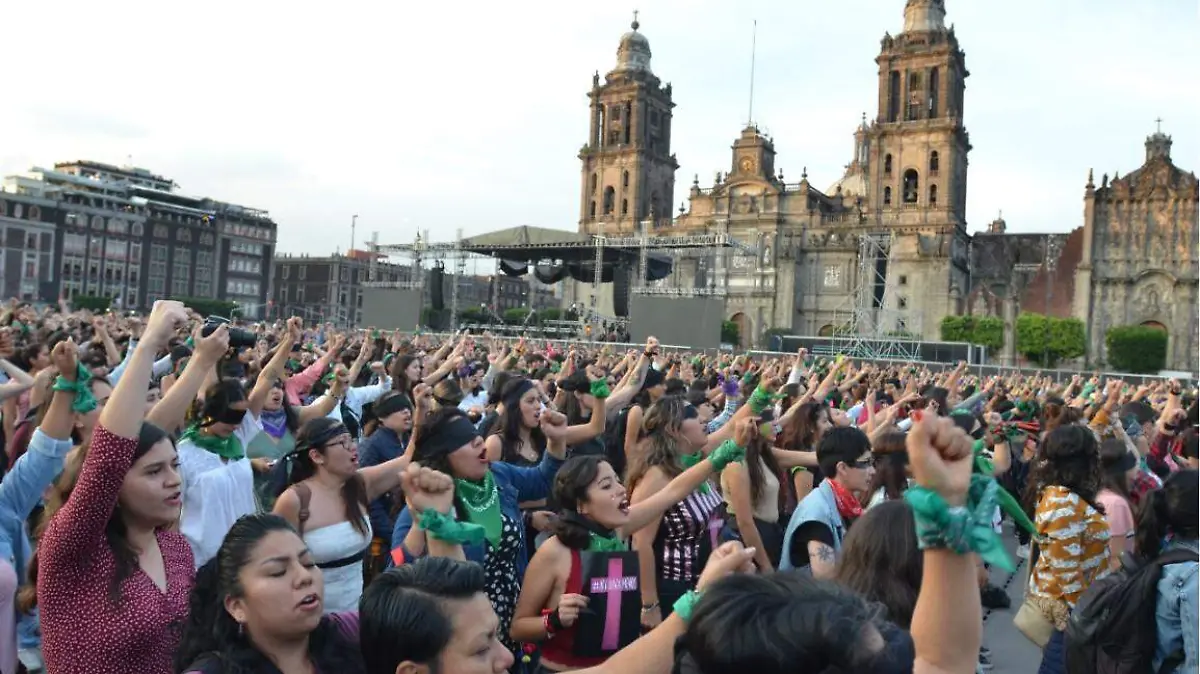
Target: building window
x=592, y=209
x=184, y=235
x=35, y=213
x=902, y=302
x=137, y=229
x=912, y=186
x=624, y=206
x=593, y=184
x=833, y=277
x=625, y=179
x=933, y=195
x=610, y=197
x=303, y=272
x=97, y=222
x=160, y=232
x=284, y=270
x=345, y=276
x=887, y=165
x=903, y=280
x=887, y=196
x=31, y=241
x=933, y=163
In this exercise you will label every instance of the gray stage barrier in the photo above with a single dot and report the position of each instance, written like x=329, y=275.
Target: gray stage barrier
x=694, y=321
x=391, y=308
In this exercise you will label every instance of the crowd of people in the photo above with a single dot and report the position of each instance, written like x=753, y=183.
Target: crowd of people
x=183, y=494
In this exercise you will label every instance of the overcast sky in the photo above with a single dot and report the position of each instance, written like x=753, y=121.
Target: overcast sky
x=438, y=115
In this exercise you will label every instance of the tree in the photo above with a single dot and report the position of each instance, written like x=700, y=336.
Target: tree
x=730, y=334
x=91, y=303
x=516, y=315
x=982, y=330
x=206, y=306
x=1047, y=340
x=957, y=328
x=1136, y=349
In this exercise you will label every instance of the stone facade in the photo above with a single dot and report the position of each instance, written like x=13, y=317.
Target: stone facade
x=1139, y=264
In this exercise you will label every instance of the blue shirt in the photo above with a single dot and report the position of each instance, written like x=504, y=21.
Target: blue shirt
x=383, y=446
x=516, y=485
x=1176, y=621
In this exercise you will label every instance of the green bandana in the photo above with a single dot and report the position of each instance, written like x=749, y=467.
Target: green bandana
x=481, y=500
x=229, y=448
x=1008, y=504
x=600, y=543
x=689, y=460
x=84, y=401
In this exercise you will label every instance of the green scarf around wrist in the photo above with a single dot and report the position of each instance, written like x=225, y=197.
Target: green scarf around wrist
x=481, y=501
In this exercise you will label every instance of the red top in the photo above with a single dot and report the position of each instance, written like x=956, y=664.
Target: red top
x=560, y=649
x=83, y=632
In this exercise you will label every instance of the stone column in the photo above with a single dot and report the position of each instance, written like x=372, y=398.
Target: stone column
x=1008, y=310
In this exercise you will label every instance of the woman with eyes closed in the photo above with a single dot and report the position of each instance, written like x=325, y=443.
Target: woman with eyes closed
x=595, y=517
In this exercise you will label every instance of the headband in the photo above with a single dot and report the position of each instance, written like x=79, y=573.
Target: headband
x=514, y=396
x=390, y=405
x=319, y=439
x=446, y=438
x=690, y=412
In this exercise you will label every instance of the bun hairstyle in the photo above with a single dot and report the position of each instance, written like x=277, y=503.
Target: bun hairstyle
x=1056, y=413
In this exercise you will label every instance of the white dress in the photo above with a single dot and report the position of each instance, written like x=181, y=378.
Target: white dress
x=336, y=543
x=216, y=492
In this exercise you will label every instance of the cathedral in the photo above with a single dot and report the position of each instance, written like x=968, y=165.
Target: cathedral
x=885, y=249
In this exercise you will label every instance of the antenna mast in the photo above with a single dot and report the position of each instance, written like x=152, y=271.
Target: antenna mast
x=753, y=49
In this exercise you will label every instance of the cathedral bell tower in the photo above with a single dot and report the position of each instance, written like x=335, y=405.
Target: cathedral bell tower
x=920, y=144
x=628, y=171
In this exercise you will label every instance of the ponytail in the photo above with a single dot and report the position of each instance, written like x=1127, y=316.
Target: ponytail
x=1152, y=525
x=1171, y=510
x=209, y=632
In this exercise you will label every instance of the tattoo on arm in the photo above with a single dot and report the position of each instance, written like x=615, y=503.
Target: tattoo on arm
x=822, y=553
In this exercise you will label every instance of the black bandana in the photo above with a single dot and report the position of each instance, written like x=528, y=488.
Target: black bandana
x=445, y=439
x=514, y=396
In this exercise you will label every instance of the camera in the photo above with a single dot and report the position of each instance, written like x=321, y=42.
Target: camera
x=239, y=338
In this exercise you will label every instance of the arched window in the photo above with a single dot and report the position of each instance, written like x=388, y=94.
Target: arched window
x=887, y=196
x=933, y=162
x=610, y=197
x=912, y=186
x=933, y=195
x=624, y=207
x=593, y=183
x=654, y=208
x=887, y=165
x=625, y=179
x=592, y=209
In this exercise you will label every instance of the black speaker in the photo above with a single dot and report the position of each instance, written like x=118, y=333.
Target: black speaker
x=436, y=295
x=621, y=283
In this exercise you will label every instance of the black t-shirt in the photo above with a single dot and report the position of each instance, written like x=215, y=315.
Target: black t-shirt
x=809, y=531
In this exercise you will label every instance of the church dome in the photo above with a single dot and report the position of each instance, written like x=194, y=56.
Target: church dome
x=634, y=50
x=853, y=184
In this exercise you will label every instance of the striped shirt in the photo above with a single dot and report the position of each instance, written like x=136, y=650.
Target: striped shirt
x=686, y=534
x=1074, y=551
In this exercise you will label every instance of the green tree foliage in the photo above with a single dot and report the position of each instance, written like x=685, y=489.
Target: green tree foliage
x=91, y=303
x=730, y=334
x=206, y=306
x=982, y=330
x=1047, y=340
x=1136, y=349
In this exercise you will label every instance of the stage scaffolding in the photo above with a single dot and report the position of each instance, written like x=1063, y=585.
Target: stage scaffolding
x=870, y=321
x=573, y=245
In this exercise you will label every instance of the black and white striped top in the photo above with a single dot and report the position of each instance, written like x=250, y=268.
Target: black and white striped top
x=687, y=535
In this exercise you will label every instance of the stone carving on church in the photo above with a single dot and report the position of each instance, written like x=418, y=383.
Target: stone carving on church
x=1150, y=299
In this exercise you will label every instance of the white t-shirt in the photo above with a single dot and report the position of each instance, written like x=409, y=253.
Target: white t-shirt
x=216, y=492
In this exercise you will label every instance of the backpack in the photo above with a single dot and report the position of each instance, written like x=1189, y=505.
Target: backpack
x=614, y=441
x=1113, y=630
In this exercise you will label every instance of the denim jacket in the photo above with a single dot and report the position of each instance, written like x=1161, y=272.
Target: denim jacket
x=1175, y=614
x=819, y=506
x=516, y=485
x=20, y=491
x=383, y=446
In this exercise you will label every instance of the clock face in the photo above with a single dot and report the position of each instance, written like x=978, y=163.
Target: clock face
x=747, y=164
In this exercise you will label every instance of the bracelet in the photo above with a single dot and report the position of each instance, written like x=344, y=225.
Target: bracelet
x=546, y=624
x=646, y=608
x=84, y=401
x=448, y=530
x=962, y=529
x=687, y=604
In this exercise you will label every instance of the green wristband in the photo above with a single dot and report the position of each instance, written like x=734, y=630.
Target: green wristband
x=686, y=604
x=725, y=454
x=448, y=530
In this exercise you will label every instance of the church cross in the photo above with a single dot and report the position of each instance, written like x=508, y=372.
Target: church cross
x=635, y=13
x=1157, y=121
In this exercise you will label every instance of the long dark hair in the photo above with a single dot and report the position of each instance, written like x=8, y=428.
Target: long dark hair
x=1068, y=457
x=801, y=432
x=1171, y=510
x=400, y=380
x=1112, y=476
x=891, y=467
x=882, y=562
x=570, y=489
x=211, y=634
x=660, y=427
x=759, y=454
x=125, y=557
x=315, y=436
x=431, y=428
x=509, y=423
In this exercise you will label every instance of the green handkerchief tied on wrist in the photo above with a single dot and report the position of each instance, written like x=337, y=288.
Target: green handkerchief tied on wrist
x=761, y=400
x=962, y=529
x=449, y=530
x=600, y=389
x=84, y=400
x=726, y=453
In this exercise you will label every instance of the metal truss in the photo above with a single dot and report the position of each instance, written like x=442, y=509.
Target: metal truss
x=869, y=325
